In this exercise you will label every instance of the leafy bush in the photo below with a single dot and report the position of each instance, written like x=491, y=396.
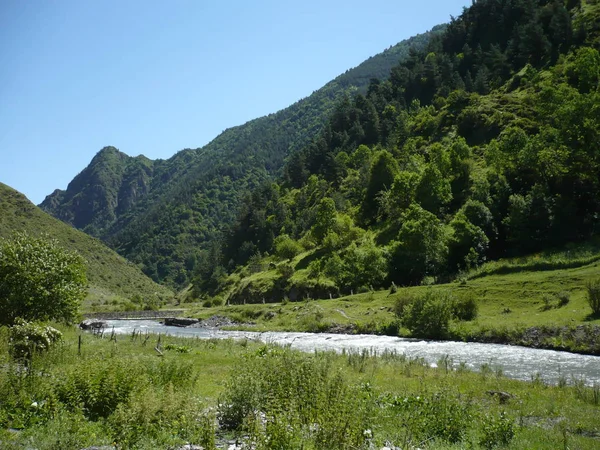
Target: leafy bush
x=39, y=280
x=98, y=388
x=65, y=430
x=438, y=415
x=286, y=247
x=593, y=291
x=286, y=270
x=401, y=304
x=465, y=308
x=429, y=315
x=496, y=431
x=27, y=338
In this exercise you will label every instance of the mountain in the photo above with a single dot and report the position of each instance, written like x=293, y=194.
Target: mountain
x=110, y=276
x=483, y=145
x=161, y=214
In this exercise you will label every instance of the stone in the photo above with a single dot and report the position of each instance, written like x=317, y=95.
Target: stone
x=180, y=321
x=92, y=324
x=503, y=397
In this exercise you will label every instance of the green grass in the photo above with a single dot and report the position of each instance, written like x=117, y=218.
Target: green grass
x=122, y=392
x=112, y=279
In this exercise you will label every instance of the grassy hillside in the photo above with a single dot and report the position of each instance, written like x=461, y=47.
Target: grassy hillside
x=111, y=277
x=512, y=297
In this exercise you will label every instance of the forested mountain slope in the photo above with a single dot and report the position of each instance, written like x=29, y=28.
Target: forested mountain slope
x=109, y=275
x=161, y=214
x=486, y=144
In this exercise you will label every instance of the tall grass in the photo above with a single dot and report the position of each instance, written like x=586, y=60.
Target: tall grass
x=286, y=400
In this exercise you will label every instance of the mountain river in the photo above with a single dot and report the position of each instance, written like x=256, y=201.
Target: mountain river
x=520, y=363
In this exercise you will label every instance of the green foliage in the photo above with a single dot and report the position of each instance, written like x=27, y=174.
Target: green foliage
x=381, y=178
x=429, y=315
x=285, y=270
x=154, y=420
x=39, y=280
x=98, y=389
x=325, y=219
x=497, y=431
x=27, y=338
x=465, y=308
x=286, y=247
x=362, y=264
x=283, y=398
x=593, y=296
x=421, y=248
x=582, y=69
x=467, y=245
x=438, y=415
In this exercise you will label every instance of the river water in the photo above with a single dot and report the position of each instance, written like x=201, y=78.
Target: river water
x=520, y=363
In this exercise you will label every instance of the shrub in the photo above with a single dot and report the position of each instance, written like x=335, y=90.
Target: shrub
x=286, y=247
x=26, y=338
x=429, y=316
x=438, y=415
x=281, y=396
x=593, y=291
x=401, y=304
x=39, y=280
x=496, y=431
x=546, y=302
x=563, y=299
x=465, y=308
x=286, y=270
x=97, y=388
x=64, y=430
x=149, y=420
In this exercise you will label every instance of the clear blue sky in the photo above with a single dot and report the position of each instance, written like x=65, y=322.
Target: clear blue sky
x=153, y=77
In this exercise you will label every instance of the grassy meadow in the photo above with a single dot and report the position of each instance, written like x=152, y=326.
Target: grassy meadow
x=121, y=392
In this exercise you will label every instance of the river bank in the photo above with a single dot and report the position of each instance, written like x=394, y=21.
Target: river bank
x=521, y=363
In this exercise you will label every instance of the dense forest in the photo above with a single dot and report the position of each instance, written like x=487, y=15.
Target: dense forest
x=481, y=145
x=161, y=214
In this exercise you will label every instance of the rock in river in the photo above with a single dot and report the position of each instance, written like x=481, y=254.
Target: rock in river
x=180, y=321
x=92, y=324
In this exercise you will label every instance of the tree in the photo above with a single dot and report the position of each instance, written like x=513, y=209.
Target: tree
x=434, y=190
x=467, y=245
x=382, y=176
x=325, y=219
x=39, y=280
x=421, y=248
